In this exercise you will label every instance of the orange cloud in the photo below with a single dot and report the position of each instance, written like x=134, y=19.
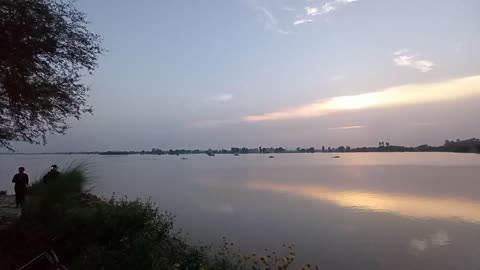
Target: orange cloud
x=394, y=96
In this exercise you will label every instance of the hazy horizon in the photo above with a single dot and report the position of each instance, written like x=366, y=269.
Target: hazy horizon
x=216, y=74
x=318, y=148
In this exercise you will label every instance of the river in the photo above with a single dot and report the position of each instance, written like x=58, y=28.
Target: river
x=360, y=211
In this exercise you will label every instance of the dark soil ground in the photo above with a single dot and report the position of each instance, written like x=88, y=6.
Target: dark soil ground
x=19, y=245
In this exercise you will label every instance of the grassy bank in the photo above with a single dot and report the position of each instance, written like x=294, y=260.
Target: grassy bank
x=88, y=232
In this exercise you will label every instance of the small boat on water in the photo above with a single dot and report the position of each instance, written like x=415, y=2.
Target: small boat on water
x=184, y=158
x=336, y=157
x=271, y=157
x=210, y=153
x=236, y=155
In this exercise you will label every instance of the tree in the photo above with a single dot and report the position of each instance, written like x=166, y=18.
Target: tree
x=45, y=49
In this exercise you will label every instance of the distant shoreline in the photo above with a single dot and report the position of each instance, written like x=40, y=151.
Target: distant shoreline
x=103, y=154
x=457, y=146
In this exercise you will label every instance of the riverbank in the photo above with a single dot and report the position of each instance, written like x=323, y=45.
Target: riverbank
x=8, y=211
x=88, y=232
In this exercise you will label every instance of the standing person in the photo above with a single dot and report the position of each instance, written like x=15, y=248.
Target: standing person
x=21, y=183
x=51, y=175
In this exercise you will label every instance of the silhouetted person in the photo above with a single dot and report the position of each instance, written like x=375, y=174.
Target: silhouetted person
x=52, y=175
x=21, y=183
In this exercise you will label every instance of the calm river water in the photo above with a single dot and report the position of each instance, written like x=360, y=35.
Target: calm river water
x=361, y=211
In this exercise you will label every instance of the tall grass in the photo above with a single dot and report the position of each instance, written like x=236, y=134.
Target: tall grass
x=47, y=202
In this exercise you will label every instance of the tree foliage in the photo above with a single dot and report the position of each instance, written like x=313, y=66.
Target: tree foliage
x=45, y=49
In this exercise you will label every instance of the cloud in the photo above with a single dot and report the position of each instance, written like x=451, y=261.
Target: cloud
x=312, y=11
x=401, y=51
x=404, y=58
x=270, y=22
x=222, y=97
x=346, y=127
x=437, y=239
x=315, y=11
x=418, y=245
x=402, y=95
x=440, y=238
x=326, y=8
x=302, y=21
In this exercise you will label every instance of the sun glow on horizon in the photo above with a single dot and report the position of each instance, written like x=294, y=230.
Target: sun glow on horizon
x=394, y=96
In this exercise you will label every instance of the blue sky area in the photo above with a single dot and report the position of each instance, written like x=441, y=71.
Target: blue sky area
x=217, y=73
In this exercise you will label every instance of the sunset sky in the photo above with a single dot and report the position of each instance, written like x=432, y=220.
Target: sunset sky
x=217, y=73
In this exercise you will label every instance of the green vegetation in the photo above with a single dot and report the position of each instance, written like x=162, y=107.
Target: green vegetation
x=92, y=233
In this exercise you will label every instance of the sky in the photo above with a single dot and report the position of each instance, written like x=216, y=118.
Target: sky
x=215, y=73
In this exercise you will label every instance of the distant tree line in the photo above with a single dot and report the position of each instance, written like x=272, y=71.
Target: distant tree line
x=466, y=146
x=458, y=146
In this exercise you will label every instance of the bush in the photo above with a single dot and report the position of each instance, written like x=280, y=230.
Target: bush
x=47, y=202
x=119, y=234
